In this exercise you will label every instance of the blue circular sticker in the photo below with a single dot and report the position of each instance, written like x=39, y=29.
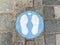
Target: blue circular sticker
x=29, y=24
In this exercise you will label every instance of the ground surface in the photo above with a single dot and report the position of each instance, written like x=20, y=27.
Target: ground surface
x=49, y=9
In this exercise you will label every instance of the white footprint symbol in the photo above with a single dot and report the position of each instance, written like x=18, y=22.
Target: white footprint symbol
x=23, y=22
x=35, y=22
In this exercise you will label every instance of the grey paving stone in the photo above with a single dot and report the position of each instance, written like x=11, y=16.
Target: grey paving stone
x=6, y=39
x=39, y=42
x=48, y=12
x=29, y=3
x=50, y=26
x=6, y=5
x=6, y=22
x=37, y=6
x=29, y=8
x=57, y=39
x=51, y=2
x=38, y=9
x=58, y=27
x=19, y=38
x=50, y=39
x=19, y=43
x=21, y=3
x=37, y=3
x=57, y=12
x=20, y=7
x=29, y=43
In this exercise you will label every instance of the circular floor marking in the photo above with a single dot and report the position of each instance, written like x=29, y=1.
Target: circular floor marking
x=29, y=24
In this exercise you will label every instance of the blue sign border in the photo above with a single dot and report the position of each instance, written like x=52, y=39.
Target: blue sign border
x=30, y=36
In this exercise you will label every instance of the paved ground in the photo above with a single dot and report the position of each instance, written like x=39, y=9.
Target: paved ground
x=49, y=9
